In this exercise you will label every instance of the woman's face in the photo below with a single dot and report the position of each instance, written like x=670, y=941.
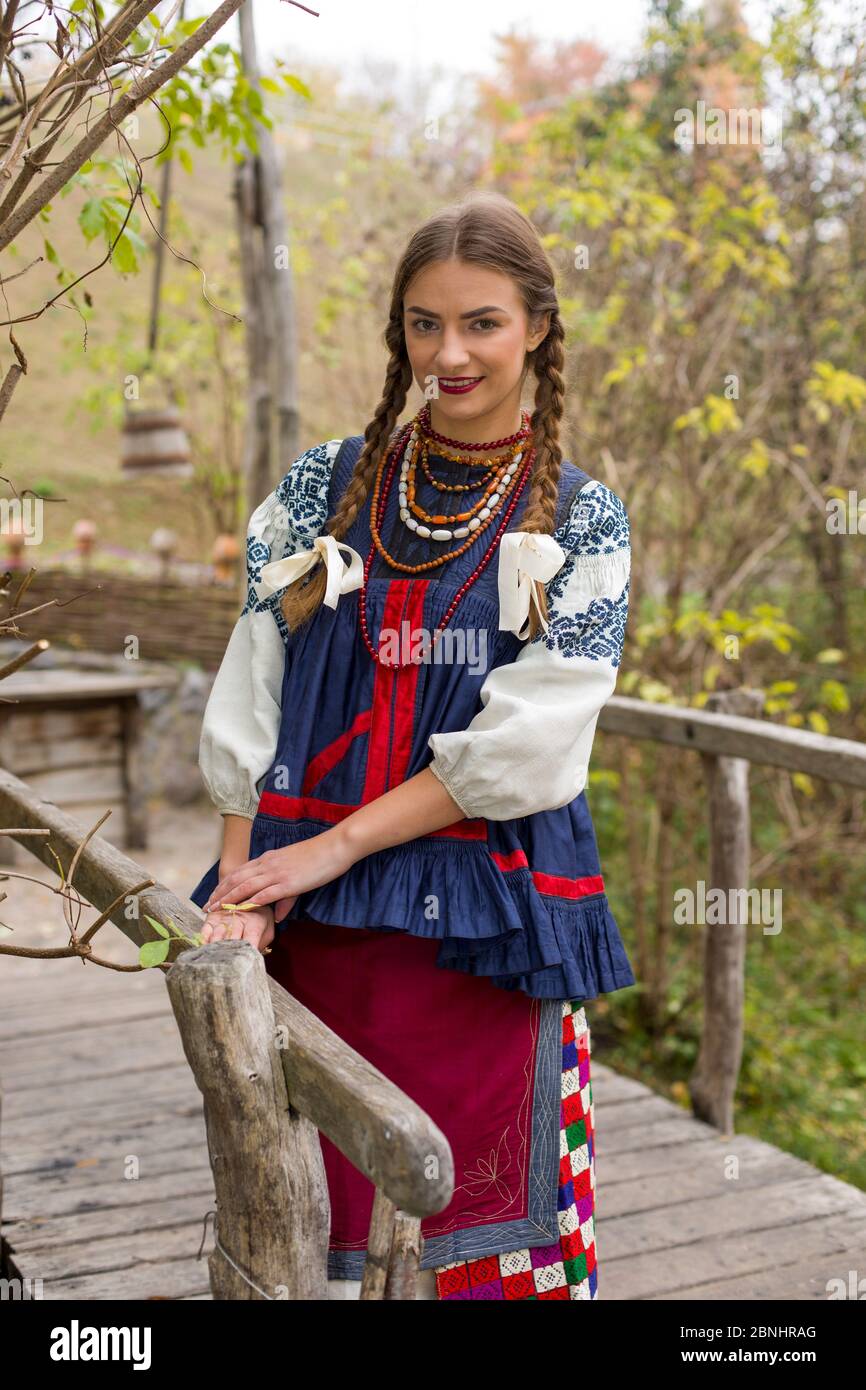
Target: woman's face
x=467, y=335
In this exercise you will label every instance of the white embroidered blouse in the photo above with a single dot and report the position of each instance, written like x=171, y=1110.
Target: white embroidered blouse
x=529, y=746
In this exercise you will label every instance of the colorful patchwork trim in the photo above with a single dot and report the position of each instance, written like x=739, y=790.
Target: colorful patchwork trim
x=566, y=1269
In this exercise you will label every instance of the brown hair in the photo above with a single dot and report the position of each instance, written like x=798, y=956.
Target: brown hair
x=484, y=229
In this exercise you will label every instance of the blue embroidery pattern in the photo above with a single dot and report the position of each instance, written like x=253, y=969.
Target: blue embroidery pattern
x=304, y=493
x=296, y=510
x=597, y=525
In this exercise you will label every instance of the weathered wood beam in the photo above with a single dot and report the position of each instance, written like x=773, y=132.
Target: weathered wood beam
x=273, y=1210
x=730, y=735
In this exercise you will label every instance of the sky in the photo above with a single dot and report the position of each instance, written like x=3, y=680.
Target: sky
x=455, y=34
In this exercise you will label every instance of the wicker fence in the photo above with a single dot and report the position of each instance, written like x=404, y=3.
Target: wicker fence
x=171, y=621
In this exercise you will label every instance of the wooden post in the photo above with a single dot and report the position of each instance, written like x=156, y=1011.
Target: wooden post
x=379, y=1243
x=393, y=1252
x=405, y=1261
x=133, y=773
x=273, y=1211
x=273, y=428
x=714, y=1082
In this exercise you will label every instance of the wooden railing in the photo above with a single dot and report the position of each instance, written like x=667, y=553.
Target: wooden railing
x=271, y=1075
x=728, y=743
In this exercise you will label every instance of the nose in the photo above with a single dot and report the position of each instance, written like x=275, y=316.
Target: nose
x=453, y=356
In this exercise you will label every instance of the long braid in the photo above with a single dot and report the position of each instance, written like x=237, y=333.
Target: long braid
x=539, y=516
x=300, y=602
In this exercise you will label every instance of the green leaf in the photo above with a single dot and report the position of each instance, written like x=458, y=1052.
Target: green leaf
x=185, y=158
x=819, y=722
x=157, y=926
x=91, y=218
x=153, y=953
x=835, y=696
x=297, y=85
x=123, y=256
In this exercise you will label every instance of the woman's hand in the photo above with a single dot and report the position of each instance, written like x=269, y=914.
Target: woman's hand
x=256, y=926
x=279, y=876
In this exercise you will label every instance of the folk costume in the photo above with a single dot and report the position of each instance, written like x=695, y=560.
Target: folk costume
x=458, y=963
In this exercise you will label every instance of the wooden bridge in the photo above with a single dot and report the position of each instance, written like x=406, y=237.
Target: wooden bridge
x=94, y=1072
x=106, y=1180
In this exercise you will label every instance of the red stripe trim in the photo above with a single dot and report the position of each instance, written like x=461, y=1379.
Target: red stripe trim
x=302, y=807
x=550, y=883
x=403, y=726
x=463, y=830
x=376, y=780
x=506, y=862
x=330, y=755
x=313, y=808
x=568, y=887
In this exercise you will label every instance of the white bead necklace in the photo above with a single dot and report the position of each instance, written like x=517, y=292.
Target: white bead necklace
x=444, y=533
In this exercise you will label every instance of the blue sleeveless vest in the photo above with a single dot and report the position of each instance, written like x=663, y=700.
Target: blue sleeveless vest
x=521, y=901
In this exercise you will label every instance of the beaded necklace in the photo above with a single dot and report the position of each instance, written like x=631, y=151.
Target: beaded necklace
x=423, y=419
x=413, y=515
x=377, y=514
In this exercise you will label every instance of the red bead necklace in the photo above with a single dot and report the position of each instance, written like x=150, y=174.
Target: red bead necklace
x=381, y=502
x=424, y=424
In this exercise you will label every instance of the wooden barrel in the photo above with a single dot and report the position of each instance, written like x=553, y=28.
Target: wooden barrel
x=155, y=441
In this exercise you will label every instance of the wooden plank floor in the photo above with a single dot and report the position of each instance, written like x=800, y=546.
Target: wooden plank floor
x=106, y=1178
x=104, y=1158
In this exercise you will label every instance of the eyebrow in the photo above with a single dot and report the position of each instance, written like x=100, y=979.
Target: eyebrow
x=473, y=314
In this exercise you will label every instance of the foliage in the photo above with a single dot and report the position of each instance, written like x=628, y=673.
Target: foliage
x=156, y=952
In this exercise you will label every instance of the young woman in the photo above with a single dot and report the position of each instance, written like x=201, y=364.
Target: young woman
x=398, y=740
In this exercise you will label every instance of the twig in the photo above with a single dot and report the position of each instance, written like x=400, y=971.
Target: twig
x=23, y=657
x=62, y=173
x=104, y=916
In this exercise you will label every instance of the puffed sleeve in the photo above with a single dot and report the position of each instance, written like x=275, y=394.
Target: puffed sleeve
x=528, y=748
x=241, y=721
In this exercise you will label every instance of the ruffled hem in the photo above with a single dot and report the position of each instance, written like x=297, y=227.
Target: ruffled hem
x=489, y=923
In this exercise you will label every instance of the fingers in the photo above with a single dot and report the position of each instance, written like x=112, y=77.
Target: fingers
x=244, y=889
x=246, y=876
x=260, y=934
x=255, y=927
x=223, y=927
x=228, y=883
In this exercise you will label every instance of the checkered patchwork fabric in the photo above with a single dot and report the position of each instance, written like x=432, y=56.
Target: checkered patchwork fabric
x=566, y=1269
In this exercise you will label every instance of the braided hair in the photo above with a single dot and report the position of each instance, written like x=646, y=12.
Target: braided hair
x=484, y=229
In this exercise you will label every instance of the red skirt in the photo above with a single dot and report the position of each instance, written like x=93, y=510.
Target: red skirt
x=506, y=1079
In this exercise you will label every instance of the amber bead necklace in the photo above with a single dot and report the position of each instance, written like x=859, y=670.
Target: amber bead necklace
x=413, y=515
x=489, y=466
x=378, y=506
x=416, y=519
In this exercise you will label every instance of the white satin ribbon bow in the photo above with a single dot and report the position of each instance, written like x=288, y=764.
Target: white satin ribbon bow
x=342, y=578
x=524, y=557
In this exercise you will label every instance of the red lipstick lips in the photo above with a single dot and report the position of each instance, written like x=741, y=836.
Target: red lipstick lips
x=458, y=385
